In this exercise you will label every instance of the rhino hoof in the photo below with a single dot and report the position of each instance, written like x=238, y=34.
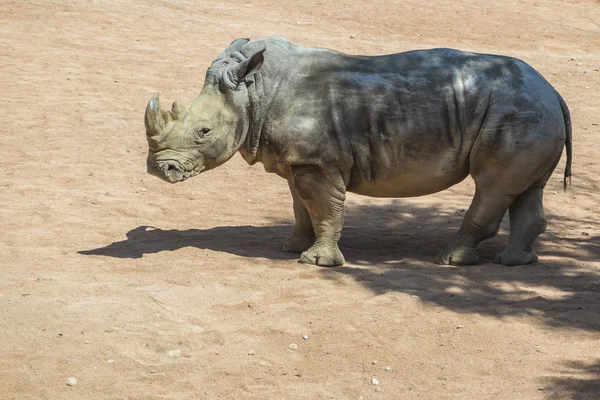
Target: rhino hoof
x=297, y=244
x=510, y=257
x=324, y=257
x=458, y=256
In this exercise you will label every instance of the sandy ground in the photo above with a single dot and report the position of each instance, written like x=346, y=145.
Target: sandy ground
x=184, y=287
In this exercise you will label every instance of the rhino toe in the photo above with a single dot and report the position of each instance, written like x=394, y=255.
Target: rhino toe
x=511, y=257
x=324, y=257
x=458, y=256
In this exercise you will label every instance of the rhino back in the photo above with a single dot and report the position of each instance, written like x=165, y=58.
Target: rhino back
x=395, y=125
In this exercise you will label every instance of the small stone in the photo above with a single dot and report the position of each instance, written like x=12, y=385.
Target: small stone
x=542, y=388
x=352, y=36
x=586, y=71
x=86, y=342
x=251, y=353
x=459, y=326
x=378, y=389
x=71, y=381
x=110, y=361
x=174, y=353
x=374, y=381
x=153, y=371
x=293, y=346
x=60, y=334
x=374, y=362
x=585, y=234
x=578, y=64
x=361, y=398
x=305, y=337
x=142, y=190
x=414, y=296
x=388, y=368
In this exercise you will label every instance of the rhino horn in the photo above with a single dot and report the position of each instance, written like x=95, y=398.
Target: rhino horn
x=178, y=110
x=155, y=118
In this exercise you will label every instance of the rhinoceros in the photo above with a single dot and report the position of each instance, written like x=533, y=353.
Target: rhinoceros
x=399, y=125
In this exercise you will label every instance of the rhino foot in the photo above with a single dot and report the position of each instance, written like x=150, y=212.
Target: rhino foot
x=298, y=244
x=458, y=256
x=323, y=256
x=511, y=257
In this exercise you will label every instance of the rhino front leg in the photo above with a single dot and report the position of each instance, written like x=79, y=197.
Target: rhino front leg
x=323, y=195
x=303, y=235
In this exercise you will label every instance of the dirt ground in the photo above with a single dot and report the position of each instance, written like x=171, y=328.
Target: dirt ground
x=144, y=290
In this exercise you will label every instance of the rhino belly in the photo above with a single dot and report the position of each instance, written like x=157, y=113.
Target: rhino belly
x=407, y=178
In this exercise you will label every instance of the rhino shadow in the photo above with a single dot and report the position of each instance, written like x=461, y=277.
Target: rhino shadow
x=392, y=248
x=246, y=241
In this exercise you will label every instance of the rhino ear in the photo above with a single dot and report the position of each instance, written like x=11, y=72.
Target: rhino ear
x=248, y=67
x=235, y=46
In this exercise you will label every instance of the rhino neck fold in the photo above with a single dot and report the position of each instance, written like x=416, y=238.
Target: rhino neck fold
x=249, y=149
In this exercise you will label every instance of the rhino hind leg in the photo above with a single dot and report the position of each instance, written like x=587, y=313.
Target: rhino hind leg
x=527, y=222
x=323, y=196
x=481, y=222
x=303, y=235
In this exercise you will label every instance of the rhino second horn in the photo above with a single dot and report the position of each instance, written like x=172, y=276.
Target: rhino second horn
x=178, y=110
x=154, y=119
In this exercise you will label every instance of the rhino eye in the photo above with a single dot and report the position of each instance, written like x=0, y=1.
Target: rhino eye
x=202, y=132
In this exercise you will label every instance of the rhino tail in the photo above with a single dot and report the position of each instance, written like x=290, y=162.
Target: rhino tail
x=568, y=141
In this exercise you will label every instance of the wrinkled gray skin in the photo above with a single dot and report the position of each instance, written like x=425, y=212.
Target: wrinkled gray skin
x=400, y=125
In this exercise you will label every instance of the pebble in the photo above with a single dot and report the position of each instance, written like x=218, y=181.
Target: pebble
x=174, y=353
x=305, y=337
x=414, y=296
x=251, y=353
x=578, y=64
x=542, y=388
x=142, y=190
x=71, y=381
x=86, y=342
x=60, y=334
x=374, y=362
x=388, y=368
x=293, y=346
x=586, y=71
x=460, y=326
x=378, y=389
x=374, y=381
x=352, y=36
x=110, y=361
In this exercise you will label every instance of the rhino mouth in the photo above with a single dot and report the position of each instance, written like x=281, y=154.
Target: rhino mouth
x=169, y=170
x=172, y=170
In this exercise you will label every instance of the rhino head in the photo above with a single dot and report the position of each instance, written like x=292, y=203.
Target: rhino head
x=201, y=135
